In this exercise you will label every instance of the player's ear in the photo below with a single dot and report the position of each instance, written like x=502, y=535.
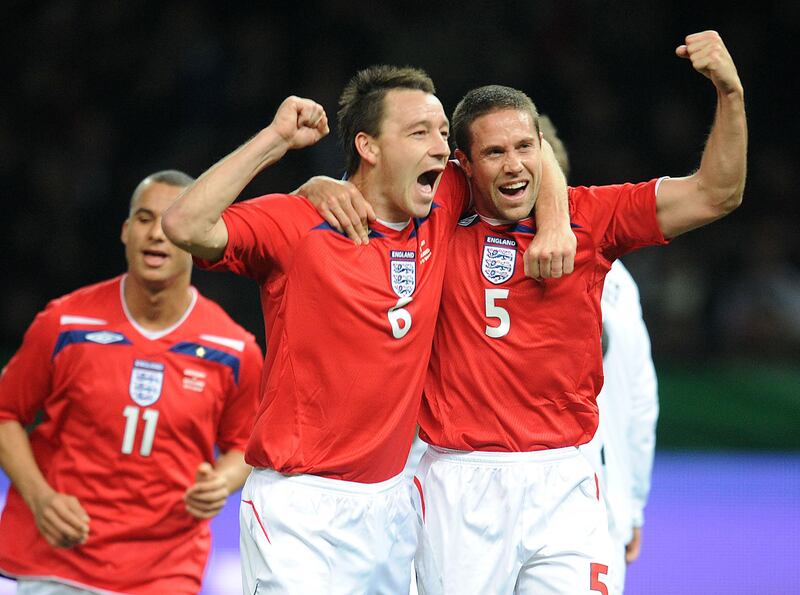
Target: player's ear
x=367, y=148
x=464, y=161
x=123, y=236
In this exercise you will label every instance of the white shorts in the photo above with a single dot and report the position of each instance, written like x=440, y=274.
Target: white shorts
x=308, y=534
x=47, y=587
x=523, y=523
x=618, y=566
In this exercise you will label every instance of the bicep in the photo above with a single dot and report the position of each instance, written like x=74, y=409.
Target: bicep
x=682, y=205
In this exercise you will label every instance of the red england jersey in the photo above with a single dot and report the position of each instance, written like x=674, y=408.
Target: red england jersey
x=128, y=415
x=517, y=363
x=349, y=331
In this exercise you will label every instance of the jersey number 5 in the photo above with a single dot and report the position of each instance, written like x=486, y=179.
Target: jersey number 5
x=495, y=311
x=150, y=417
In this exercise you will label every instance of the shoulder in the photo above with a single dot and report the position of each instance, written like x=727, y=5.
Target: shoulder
x=275, y=205
x=216, y=321
x=87, y=301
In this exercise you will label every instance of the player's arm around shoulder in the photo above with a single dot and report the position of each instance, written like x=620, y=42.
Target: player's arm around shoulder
x=194, y=221
x=717, y=187
x=552, y=251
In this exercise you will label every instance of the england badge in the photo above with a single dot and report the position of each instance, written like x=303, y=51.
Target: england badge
x=147, y=379
x=499, y=258
x=403, y=271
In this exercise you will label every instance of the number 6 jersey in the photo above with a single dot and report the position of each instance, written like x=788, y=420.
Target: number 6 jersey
x=127, y=415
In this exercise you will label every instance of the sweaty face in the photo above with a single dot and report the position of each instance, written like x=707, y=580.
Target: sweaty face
x=152, y=258
x=504, y=166
x=411, y=152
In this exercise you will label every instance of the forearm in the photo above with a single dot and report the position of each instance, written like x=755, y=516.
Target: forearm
x=723, y=165
x=194, y=220
x=552, y=207
x=232, y=467
x=16, y=459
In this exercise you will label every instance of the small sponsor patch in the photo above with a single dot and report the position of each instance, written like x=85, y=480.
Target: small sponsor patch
x=194, y=380
x=499, y=258
x=104, y=337
x=403, y=272
x=147, y=379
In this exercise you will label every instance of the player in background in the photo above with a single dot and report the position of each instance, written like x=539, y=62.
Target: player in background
x=138, y=378
x=622, y=449
x=349, y=331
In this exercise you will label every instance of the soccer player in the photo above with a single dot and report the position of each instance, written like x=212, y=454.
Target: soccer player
x=507, y=502
x=137, y=379
x=621, y=451
x=349, y=332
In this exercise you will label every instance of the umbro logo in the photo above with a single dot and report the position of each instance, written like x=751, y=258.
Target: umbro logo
x=105, y=337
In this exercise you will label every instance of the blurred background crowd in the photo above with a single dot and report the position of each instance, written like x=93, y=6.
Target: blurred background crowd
x=98, y=94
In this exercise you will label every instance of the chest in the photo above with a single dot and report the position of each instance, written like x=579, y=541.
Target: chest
x=122, y=387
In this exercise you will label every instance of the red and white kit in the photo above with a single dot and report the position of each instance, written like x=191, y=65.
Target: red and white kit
x=515, y=368
x=349, y=333
x=127, y=416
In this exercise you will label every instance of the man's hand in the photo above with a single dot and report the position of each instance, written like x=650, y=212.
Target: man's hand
x=341, y=204
x=208, y=495
x=634, y=547
x=300, y=122
x=710, y=58
x=551, y=253
x=61, y=519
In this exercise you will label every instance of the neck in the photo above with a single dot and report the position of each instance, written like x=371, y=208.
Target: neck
x=374, y=194
x=157, y=307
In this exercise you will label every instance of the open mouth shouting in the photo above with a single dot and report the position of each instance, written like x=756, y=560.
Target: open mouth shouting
x=514, y=190
x=427, y=180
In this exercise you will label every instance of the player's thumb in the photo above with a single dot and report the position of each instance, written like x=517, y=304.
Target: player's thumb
x=681, y=51
x=204, y=471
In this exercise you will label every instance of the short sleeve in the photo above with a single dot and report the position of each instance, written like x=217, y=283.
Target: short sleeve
x=239, y=412
x=27, y=380
x=261, y=232
x=623, y=217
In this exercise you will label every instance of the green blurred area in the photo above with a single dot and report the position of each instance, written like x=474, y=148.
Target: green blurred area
x=730, y=405
x=747, y=405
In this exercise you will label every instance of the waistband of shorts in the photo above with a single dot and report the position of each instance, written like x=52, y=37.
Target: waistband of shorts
x=503, y=458
x=326, y=483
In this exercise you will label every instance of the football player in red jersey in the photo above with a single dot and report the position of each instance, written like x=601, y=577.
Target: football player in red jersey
x=506, y=502
x=325, y=509
x=509, y=504
x=138, y=378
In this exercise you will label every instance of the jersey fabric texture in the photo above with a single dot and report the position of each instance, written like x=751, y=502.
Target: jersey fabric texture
x=622, y=449
x=517, y=363
x=126, y=421
x=349, y=331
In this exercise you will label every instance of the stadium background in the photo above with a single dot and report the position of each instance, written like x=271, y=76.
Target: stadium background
x=99, y=94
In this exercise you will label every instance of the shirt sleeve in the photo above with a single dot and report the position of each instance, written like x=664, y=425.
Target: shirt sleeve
x=623, y=217
x=261, y=234
x=239, y=413
x=27, y=380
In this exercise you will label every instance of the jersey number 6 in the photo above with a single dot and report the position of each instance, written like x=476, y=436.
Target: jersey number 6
x=400, y=318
